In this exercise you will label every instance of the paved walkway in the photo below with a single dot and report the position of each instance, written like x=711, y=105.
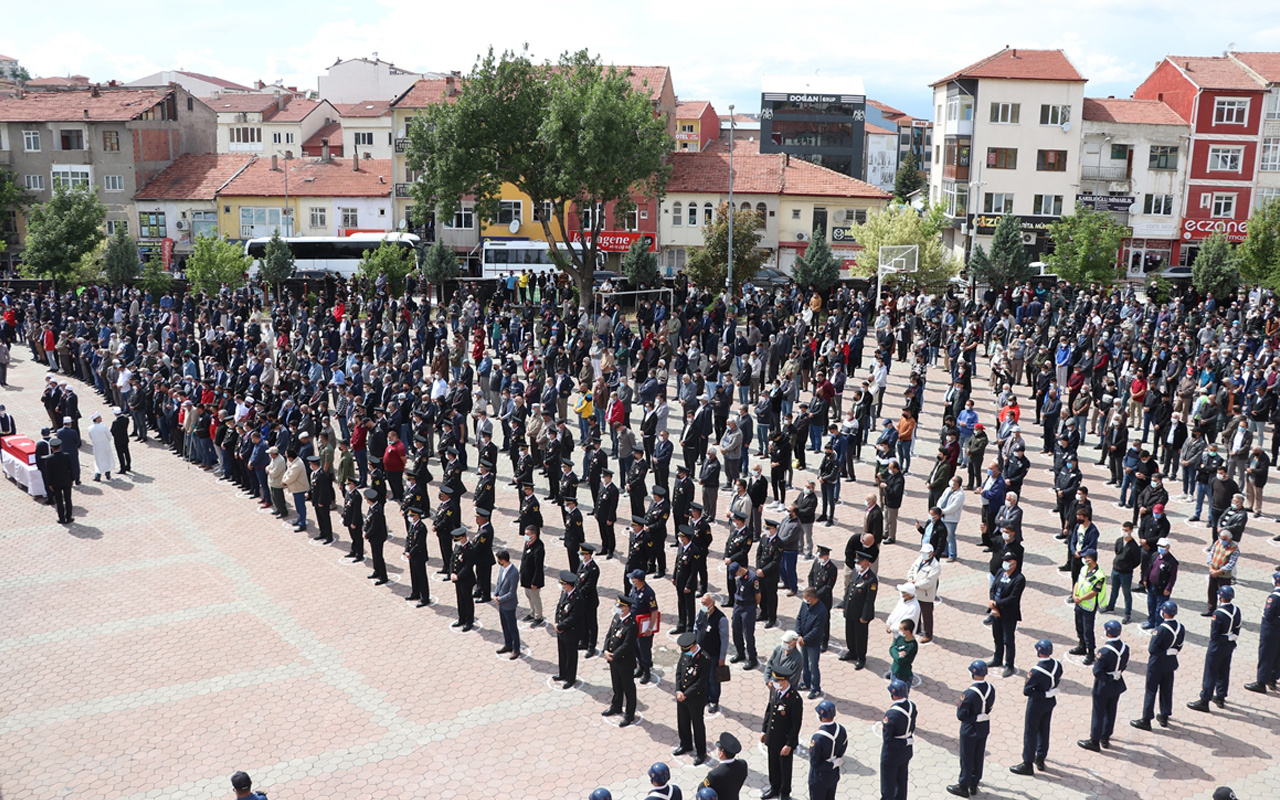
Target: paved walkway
x=173, y=635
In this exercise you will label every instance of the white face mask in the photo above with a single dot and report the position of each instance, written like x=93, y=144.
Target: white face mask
x=528, y=539
x=1005, y=565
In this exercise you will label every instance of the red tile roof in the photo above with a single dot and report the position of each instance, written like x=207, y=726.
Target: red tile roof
x=760, y=173
x=241, y=103
x=298, y=109
x=1215, y=72
x=888, y=110
x=690, y=109
x=1022, y=65
x=427, y=92
x=366, y=108
x=7, y=58
x=224, y=83
x=1138, y=112
x=1266, y=65
x=72, y=80
x=110, y=105
x=194, y=177
x=872, y=128
x=332, y=132
x=309, y=177
x=650, y=79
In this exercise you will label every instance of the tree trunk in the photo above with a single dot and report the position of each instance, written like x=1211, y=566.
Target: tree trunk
x=585, y=281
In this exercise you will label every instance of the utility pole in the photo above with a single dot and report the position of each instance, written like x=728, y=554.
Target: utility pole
x=729, y=277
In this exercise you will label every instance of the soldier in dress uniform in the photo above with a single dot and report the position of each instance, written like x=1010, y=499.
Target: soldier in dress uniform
x=447, y=519
x=1162, y=662
x=487, y=449
x=656, y=517
x=415, y=496
x=644, y=604
x=780, y=734
x=693, y=673
x=530, y=510
x=769, y=567
x=573, y=533
x=606, y=512
x=1041, y=690
x=484, y=560
x=822, y=579
x=589, y=591
x=415, y=549
x=727, y=777
x=620, y=651
x=597, y=463
x=485, y=485
x=898, y=730
x=637, y=484
x=522, y=466
x=568, y=622
x=568, y=481
x=859, y=610
x=353, y=519
x=826, y=748
x=737, y=548
x=1222, y=646
x=637, y=551
x=462, y=572
x=974, y=713
x=746, y=604
x=453, y=470
x=682, y=495
x=375, y=533
x=685, y=578
x=1108, y=685
x=378, y=480
x=1269, y=642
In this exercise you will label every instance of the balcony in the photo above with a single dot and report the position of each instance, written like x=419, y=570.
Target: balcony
x=403, y=190
x=1098, y=173
x=402, y=144
x=952, y=172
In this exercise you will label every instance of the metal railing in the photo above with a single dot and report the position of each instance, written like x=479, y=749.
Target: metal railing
x=1096, y=173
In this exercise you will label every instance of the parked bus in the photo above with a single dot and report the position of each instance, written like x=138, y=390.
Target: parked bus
x=501, y=257
x=337, y=255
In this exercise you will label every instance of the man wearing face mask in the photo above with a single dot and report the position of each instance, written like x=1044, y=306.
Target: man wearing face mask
x=1155, y=494
x=1206, y=470
x=1235, y=518
x=1083, y=537
x=620, y=652
x=822, y=579
x=1006, y=610
x=1269, y=642
x=1217, y=658
x=780, y=734
x=1158, y=580
x=692, y=675
x=992, y=491
x=1222, y=566
x=1162, y=663
x=1090, y=588
x=712, y=629
x=1108, y=685
x=1128, y=558
x=568, y=623
x=924, y=575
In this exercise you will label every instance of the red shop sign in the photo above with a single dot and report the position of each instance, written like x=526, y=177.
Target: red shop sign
x=616, y=241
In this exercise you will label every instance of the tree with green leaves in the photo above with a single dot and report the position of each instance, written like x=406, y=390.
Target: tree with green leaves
x=120, y=264
x=1216, y=268
x=708, y=266
x=640, y=264
x=215, y=262
x=13, y=196
x=573, y=135
x=387, y=266
x=908, y=179
x=155, y=279
x=276, y=265
x=439, y=264
x=903, y=225
x=1259, y=253
x=1007, y=265
x=62, y=231
x=818, y=268
x=1086, y=245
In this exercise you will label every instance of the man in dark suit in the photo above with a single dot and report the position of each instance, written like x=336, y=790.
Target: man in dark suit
x=462, y=573
x=693, y=674
x=859, y=610
x=573, y=533
x=322, y=498
x=375, y=533
x=1006, y=612
x=606, y=512
x=662, y=454
x=727, y=777
x=505, y=594
x=58, y=477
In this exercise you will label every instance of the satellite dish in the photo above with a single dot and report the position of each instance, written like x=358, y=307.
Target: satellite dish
x=1066, y=126
x=514, y=227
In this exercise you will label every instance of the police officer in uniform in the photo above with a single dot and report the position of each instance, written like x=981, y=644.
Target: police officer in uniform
x=859, y=610
x=636, y=484
x=1269, y=642
x=898, y=730
x=597, y=463
x=353, y=519
x=447, y=519
x=737, y=548
x=822, y=579
x=644, y=604
x=589, y=592
x=486, y=485
x=375, y=533
x=462, y=572
x=484, y=560
x=780, y=734
x=620, y=651
x=637, y=551
x=702, y=538
x=1108, y=685
x=573, y=533
x=826, y=749
x=568, y=622
x=1041, y=691
x=746, y=602
x=415, y=549
x=727, y=777
x=606, y=512
x=530, y=510
x=693, y=673
x=712, y=629
x=685, y=578
x=682, y=495
x=415, y=496
x=769, y=566
x=656, y=531
x=1162, y=662
x=1088, y=591
x=1222, y=646
x=662, y=788
x=974, y=713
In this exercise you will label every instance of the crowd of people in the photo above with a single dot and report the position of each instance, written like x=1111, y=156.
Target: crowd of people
x=371, y=407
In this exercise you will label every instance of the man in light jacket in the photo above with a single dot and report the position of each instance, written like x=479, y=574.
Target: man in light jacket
x=504, y=592
x=952, y=504
x=924, y=573
x=275, y=481
x=296, y=484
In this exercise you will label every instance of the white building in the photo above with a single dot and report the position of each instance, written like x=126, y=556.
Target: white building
x=268, y=124
x=881, y=157
x=356, y=79
x=367, y=128
x=1007, y=141
x=1134, y=165
x=194, y=82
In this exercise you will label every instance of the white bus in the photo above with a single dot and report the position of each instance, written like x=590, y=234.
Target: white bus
x=337, y=255
x=502, y=257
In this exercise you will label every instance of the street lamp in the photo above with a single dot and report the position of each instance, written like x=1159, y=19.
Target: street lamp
x=729, y=277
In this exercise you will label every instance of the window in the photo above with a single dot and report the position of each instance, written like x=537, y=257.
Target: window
x=686, y=127
x=111, y=141
x=675, y=258
x=959, y=108
x=204, y=223
x=1270, y=154
x=956, y=197
x=1051, y=160
x=860, y=216
x=35, y=182
x=997, y=203
x=71, y=140
x=1264, y=196
x=350, y=217
x=246, y=138
x=588, y=217
x=114, y=225
x=1160, y=205
x=543, y=211
x=795, y=213
x=151, y=225
x=113, y=183
x=693, y=214
x=364, y=138
x=277, y=138
x=707, y=213
x=762, y=215
x=1005, y=113
x=1224, y=205
x=1055, y=115
x=1230, y=111
x=262, y=221
x=1225, y=159
x=1273, y=105
x=1047, y=205
x=632, y=221
x=71, y=176
x=1119, y=152
x=677, y=214
x=288, y=138
x=463, y=219
x=1002, y=157
x=1163, y=156
x=31, y=141
x=319, y=218
x=510, y=211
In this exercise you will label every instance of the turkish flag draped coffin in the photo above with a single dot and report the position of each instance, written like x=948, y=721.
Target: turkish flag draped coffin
x=21, y=448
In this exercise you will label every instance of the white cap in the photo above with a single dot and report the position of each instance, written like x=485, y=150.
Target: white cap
x=926, y=548
x=1162, y=542
x=907, y=588
x=117, y=410
x=66, y=420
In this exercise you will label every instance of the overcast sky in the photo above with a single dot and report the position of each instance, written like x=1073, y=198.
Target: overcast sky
x=717, y=51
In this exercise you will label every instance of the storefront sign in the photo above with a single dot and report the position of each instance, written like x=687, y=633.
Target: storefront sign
x=166, y=252
x=686, y=135
x=1235, y=229
x=985, y=224
x=844, y=234
x=1105, y=202
x=1155, y=230
x=616, y=241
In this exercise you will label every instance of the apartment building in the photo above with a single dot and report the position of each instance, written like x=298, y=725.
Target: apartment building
x=268, y=123
x=180, y=204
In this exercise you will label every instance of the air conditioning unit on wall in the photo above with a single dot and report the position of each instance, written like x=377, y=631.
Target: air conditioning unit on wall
x=801, y=237
x=180, y=225
x=1028, y=238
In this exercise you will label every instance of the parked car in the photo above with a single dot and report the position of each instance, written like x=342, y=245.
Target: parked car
x=617, y=280
x=770, y=278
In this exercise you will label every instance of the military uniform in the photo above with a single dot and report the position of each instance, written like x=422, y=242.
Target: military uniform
x=1108, y=685
x=353, y=519
x=375, y=533
x=746, y=599
x=727, y=777
x=636, y=551
x=693, y=673
x=685, y=578
x=702, y=538
x=415, y=547
x=769, y=566
x=573, y=533
x=1217, y=658
x=644, y=604
x=737, y=549
x=682, y=498
x=1162, y=663
x=620, y=652
x=485, y=490
x=898, y=745
x=447, y=519
x=782, y=720
x=822, y=579
x=589, y=589
x=655, y=523
x=568, y=624
x=484, y=560
x=1268, y=645
x=859, y=610
x=1041, y=691
x=826, y=748
x=606, y=514
x=637, y=487
x=530, y=513
x=974, y=713
x=462, y=572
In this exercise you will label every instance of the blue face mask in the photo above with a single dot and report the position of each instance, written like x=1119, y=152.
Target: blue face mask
x=1157, y=516
x=1162, y=550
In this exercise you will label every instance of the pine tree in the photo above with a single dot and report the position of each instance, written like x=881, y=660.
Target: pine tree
x=120, y=264
x=1215, y=268
x=1007, y=263
x=276, y=265
x=640, y=266
x=908, y=179
x=818, y=268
